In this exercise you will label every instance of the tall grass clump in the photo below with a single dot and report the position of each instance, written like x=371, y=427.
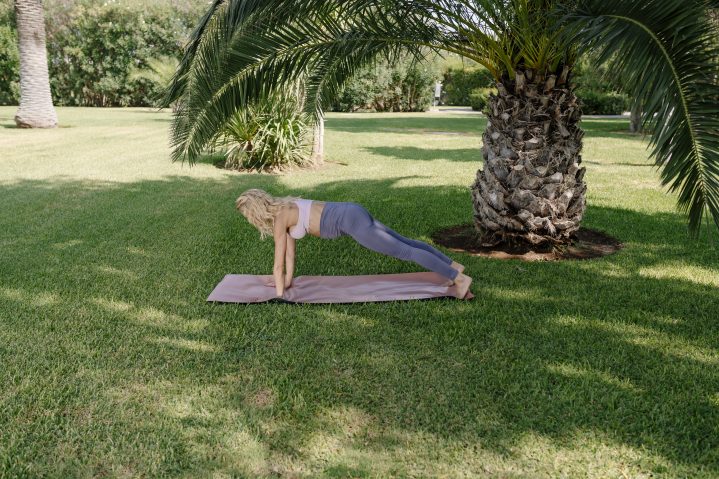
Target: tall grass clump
x=270, y=135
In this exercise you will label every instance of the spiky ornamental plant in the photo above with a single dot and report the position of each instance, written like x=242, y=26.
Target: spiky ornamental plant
x=532, y=185
x=268, y=135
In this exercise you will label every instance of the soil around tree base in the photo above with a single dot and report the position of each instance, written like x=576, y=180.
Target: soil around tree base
x=586, y=244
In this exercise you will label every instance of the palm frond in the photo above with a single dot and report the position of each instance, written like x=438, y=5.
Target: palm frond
x=243, y=57
x=668, y=56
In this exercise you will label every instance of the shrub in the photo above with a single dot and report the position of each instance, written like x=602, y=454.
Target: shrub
x=9, y=66
x=92, y=56
x=597, y=89
x=599, y=103
x=94, y=46
x=458, y=84
x=159, y=72
x=479, y=98
x=403, y=86
x=271, y=135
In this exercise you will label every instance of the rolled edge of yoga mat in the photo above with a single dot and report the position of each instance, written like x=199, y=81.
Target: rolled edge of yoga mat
x=245, y=288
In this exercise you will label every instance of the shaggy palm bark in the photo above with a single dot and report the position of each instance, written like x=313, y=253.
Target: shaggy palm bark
x=531, y=186
x=36, y=109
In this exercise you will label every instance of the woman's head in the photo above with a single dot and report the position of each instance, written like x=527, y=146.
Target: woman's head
x=260, y=208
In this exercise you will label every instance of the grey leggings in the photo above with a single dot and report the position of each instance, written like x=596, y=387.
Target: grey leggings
x=354, y=220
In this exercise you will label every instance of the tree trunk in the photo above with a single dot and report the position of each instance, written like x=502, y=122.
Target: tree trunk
x=36, y=109
x=531, y=186
x=635, y=119
x=318, y=143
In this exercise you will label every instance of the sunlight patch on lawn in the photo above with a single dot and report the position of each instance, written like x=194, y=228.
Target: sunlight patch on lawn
x=587, y=453
x=117, y=272
x=189, y=344
x=37, y=300
x=67, y=244
x=353, y=319
x=215, y=446
x=514, y=294
x=574, y=371
x=148, y=315
x=682, y=271
x=658, y=341
x=112, y=304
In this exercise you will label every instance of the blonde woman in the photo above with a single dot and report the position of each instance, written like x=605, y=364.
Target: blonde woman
x=289, y=219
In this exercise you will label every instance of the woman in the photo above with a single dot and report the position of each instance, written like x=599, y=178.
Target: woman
x=289, y=219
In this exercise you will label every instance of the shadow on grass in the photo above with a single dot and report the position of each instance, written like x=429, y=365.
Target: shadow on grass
x=427, y=154
x=103, y=290
x=603, y=128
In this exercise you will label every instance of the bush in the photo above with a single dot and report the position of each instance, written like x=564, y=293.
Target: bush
x=479, y=98
x=9, y=66
x=597, y=89
x=92, y=57
x=272, y=135
x=404, y=86
x=93, y=47
x=458, y=84
x=599, y=103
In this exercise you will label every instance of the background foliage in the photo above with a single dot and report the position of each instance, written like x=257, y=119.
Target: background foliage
x=390, y=87
x=600, y=92
x=458, y=83
x=96, y=49
x=9, y=61
x=94, y=46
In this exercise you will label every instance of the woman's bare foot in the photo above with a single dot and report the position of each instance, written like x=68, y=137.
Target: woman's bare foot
x=457, y=266
x=462, y=282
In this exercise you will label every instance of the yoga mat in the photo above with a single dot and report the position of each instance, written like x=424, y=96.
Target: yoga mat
x=246, y=288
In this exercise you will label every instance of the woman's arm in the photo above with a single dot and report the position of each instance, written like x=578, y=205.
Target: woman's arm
x=289, y=261
x=280, y=235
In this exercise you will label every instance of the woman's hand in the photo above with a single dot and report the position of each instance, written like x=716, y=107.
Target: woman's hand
x=270, y=283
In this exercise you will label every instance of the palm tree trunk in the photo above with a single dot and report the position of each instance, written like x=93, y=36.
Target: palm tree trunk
x=531, y=186
x=36, y=109
x=318, y=143
x=635, y=119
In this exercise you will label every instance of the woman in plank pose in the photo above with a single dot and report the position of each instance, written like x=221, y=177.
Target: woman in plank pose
x=288, y=219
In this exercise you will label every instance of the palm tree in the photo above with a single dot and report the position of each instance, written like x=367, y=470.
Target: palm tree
x=531, y=187
x=36, y=109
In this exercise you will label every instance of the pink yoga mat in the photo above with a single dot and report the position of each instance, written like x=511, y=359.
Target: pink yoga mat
x=246, y=288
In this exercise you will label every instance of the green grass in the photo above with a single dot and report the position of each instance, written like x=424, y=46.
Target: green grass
x=113, y=365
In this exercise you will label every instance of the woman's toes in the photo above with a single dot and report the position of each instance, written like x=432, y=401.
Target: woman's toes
x=463, y=283
x=457, y=266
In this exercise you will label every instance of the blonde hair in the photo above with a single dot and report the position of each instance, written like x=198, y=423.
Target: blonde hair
x=260, y=209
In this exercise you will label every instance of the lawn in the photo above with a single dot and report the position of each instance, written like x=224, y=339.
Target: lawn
x=113, y=365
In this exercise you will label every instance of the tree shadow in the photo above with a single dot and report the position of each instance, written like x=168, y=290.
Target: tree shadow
x=465, y=124
x=104, y=285
x=427, y=154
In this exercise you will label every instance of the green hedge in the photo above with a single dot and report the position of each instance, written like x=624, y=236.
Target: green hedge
x=458, y=84
x=94, y=47
x=9, y=57
x=402, y=86
x=479, y=98
x=598, y=89
x=9, y=66
x=599, y=103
